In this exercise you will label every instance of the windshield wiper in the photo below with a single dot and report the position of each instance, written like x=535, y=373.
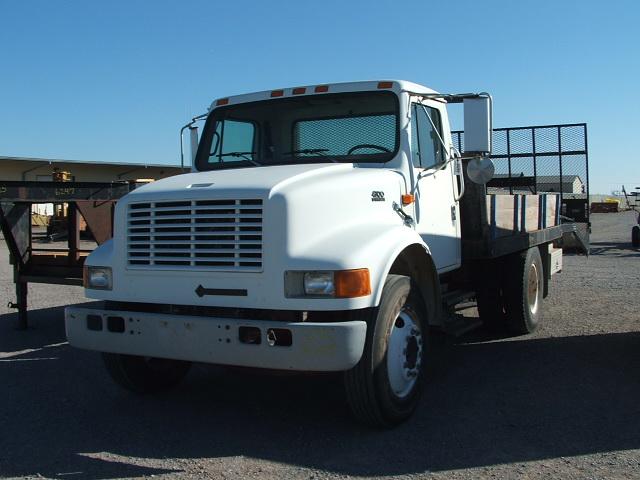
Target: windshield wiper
x=307, y=150
x=243, y=155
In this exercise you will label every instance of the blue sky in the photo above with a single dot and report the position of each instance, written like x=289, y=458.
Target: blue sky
x=114, y=81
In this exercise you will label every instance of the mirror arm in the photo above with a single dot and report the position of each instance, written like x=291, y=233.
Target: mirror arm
x=189, y=126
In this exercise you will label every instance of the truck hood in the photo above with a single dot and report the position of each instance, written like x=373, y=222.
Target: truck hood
x=297, y=218
x=255, y=181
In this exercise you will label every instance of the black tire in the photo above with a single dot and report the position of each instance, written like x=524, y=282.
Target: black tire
x=145, y=374
x=490, y=296
x=523, y=289
x=635, y=236
x=371, y=387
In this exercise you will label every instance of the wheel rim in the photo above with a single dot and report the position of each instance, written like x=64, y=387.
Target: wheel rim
x=533, y=287
x=404, y=353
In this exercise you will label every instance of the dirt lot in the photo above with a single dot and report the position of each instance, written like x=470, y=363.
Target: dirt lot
x=563, y=403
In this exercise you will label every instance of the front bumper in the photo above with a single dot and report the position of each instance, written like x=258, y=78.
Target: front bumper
x=314, y=346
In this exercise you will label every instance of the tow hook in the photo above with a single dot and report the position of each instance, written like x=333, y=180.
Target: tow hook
x=408, y=221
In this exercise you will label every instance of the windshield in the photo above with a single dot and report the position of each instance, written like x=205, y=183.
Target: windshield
x=345, y=127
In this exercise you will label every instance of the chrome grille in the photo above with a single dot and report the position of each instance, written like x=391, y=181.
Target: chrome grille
x=223, y=235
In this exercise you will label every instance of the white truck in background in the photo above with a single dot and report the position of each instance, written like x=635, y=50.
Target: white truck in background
x=323, y=228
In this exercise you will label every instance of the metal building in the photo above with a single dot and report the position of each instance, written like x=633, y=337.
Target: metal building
x=41, y=169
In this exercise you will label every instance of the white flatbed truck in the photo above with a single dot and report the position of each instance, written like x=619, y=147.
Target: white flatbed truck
x=323, y=228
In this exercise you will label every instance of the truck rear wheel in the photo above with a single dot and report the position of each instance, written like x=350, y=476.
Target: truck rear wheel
x=523, y=291
x=490, y=295
x=145, y=374
x=635, y=236
x=384, y=388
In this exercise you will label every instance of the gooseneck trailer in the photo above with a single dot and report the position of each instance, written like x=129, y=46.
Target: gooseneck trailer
x=323, y=228
x=93, y=201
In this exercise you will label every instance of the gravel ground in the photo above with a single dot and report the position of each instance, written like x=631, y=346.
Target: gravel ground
x=563, y=403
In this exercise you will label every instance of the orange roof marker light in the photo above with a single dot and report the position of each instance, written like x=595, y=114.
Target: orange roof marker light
x=385, y=84
x=299, y=91
x=352, y=283
x=222, y=101
x=408, y=199
x=321, y=89
x=277, y=93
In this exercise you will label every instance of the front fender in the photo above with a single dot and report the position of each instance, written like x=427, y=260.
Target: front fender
x=360, y=246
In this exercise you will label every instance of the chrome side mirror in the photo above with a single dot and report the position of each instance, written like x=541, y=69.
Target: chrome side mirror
x=478, y=125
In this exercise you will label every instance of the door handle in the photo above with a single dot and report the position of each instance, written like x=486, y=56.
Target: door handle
x=457, y=169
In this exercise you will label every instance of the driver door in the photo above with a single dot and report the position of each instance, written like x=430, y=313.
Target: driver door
x=437, y=211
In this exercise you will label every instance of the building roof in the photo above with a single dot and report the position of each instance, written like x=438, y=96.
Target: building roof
x=56, y=161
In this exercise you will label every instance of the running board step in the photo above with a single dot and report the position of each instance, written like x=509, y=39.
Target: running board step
x=455, y=297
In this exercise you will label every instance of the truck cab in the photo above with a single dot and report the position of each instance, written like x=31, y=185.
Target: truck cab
x=319, y=230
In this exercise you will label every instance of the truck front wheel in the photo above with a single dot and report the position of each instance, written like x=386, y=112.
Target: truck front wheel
x=523, y=291
x=145, y=374
x=383, y=389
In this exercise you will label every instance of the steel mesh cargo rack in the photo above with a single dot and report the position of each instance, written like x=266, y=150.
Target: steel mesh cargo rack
x=544, y=159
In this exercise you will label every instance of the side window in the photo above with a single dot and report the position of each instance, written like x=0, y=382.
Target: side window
x=426, y=148
x=233, y=140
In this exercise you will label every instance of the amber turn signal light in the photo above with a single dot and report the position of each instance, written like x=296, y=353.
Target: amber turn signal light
x=352, y=283
x=408, y=199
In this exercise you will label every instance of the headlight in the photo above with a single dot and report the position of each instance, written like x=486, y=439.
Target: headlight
x=319, y=283
x=98, y=278
x=330, y=284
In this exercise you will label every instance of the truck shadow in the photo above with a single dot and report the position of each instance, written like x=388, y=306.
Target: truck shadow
x=614, y=249
x=487, y=403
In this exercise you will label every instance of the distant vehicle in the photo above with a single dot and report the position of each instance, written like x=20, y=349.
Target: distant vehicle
x=323, y=228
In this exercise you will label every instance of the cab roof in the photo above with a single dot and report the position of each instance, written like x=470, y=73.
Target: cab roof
x=396, y=86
